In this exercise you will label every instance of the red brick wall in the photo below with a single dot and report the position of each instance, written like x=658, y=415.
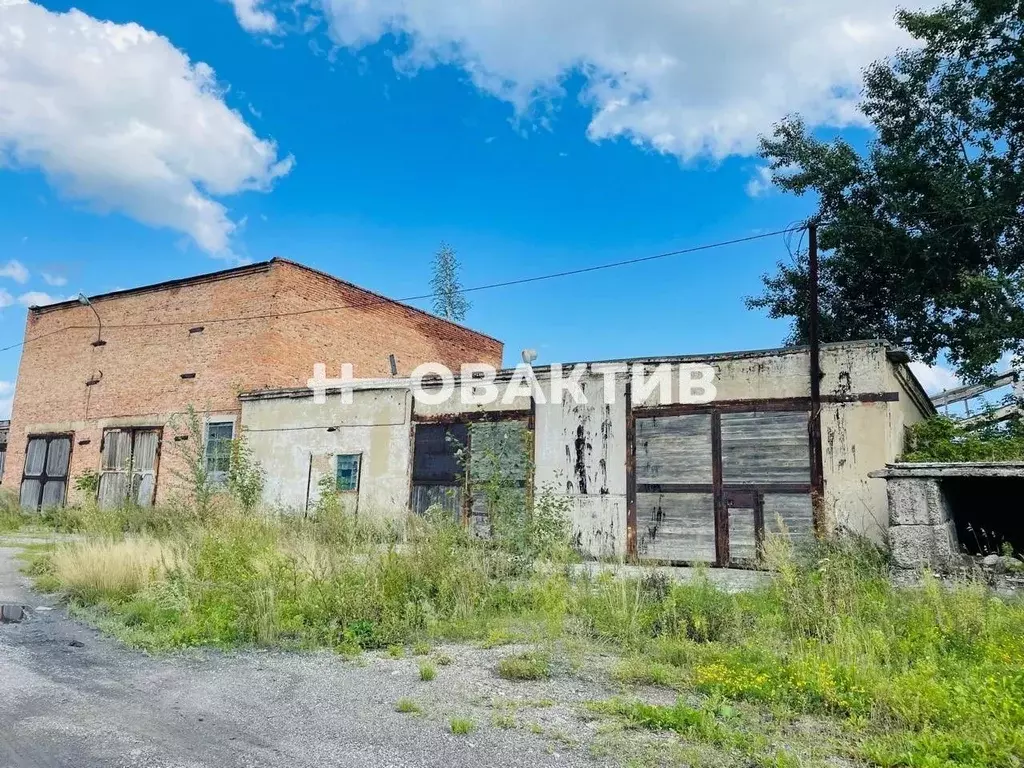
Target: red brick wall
x=139, y=369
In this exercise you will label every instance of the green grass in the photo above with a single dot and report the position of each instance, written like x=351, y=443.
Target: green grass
x=504, y=721
x=924, y=677
x=421, y=648
x=442, y=659
x=408, y=707
x=427, y=671
x=525, y=666
x=461, y=726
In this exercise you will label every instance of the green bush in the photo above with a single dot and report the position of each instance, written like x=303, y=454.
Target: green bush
x=943, y=439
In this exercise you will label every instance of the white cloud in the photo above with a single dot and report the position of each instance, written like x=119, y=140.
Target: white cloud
x=5, y=298
x=935, y=378
x=38, y=299
x=254, y=17
x=6, y=387
x=690, y=78
x=760, y=183
x=13, y=269
x=116, y=116
x=54, y=280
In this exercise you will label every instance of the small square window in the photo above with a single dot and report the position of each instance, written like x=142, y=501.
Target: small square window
x=348, y=472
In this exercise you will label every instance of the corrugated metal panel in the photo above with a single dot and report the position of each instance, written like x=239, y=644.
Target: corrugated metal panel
x=676, y=526
x=674, y=449
x=765, y=448
x=795, y=512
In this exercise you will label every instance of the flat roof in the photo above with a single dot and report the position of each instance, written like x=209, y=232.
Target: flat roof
x=895, y=354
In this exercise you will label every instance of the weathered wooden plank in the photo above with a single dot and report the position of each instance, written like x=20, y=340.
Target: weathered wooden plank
x=674, y=449
x=763, y=448
x=678, y=526
x=791, y=513
x=742, y=534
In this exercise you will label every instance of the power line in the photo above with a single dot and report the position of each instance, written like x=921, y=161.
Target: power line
x=380, y=301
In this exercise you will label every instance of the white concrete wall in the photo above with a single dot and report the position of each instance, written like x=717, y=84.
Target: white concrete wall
x=290, y=438
x=580, y=455
x=580, y=450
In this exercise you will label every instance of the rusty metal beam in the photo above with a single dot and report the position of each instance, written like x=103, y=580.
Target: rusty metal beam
x=631, y=544
x=814, y=426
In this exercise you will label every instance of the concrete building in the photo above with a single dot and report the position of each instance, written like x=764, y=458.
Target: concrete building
x=642, y=470
x=103, y=381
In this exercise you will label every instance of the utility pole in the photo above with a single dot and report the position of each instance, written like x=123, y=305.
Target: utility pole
x=814, y=339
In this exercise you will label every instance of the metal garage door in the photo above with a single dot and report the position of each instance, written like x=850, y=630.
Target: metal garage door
x=709, y=484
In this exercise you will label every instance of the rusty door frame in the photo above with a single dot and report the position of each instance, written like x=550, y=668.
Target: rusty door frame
x=718, y=488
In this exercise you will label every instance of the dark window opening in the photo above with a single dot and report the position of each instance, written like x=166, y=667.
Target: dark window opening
x=437, y=477
x=988, y=513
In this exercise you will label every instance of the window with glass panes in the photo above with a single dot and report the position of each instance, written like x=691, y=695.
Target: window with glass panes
x=348, y=472
x=219, y=435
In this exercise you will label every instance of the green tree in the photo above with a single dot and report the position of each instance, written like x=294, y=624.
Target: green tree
x=922, y=235
x=449, y=300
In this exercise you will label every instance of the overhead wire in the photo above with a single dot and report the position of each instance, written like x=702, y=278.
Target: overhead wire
x=384, y=301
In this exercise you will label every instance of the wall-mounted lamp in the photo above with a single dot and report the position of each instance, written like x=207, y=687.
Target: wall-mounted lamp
x=84, y=301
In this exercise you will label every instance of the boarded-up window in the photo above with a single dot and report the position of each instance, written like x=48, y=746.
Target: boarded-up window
x=128, y=467
x=45, y=480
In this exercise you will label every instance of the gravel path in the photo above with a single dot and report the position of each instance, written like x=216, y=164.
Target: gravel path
x=71, y=698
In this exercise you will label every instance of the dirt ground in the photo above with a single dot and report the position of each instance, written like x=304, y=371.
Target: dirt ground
x=72, y=697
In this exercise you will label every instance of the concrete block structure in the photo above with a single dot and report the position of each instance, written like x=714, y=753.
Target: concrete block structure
x=103, y=386
x=643, y=474
x=940, y=512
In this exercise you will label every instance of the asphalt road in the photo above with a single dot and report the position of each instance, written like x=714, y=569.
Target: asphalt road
x=71, y=698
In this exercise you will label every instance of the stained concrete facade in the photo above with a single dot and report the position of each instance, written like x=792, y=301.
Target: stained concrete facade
x=585, y=454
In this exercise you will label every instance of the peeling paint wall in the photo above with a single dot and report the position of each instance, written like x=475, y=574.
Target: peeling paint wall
x=580, y=454
x=580, y=451
x=289, y=437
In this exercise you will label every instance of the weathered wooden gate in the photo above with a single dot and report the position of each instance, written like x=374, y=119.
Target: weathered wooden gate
x=710, y=481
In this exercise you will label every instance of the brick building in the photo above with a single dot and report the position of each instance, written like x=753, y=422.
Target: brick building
x=103, y=385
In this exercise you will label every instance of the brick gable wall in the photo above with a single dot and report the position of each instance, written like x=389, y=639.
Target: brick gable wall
x=139, y=370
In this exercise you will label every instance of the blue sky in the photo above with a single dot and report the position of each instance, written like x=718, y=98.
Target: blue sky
x=356, y=140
